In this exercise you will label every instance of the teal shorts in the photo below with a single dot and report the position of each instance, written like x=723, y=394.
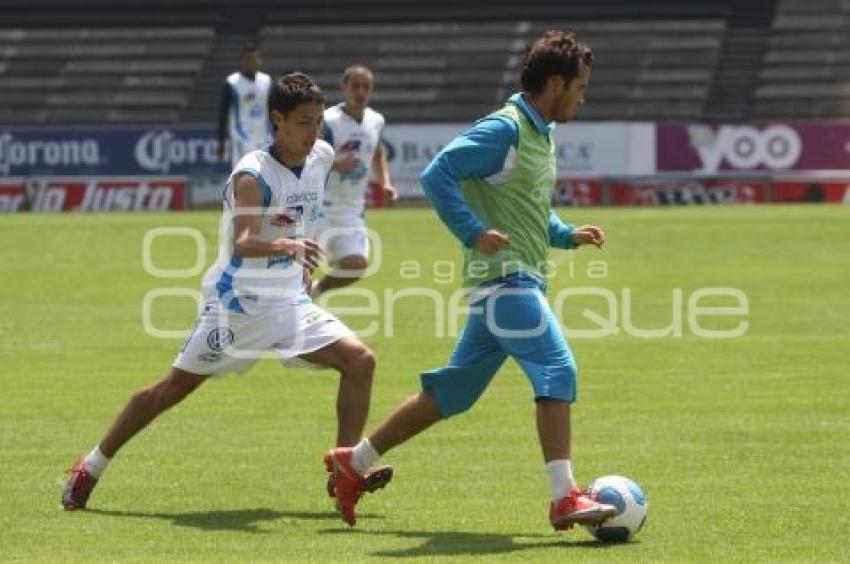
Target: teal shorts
x=514, y=320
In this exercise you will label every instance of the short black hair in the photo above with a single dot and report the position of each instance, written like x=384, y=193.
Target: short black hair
x=249, y=47
x=291, y=90
x=557, y=53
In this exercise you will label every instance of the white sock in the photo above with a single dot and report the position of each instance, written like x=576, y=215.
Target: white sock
x=364, y=456
x=560, y=478
x=95, y=462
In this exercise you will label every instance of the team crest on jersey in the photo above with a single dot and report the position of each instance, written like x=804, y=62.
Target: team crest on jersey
x=220, y=338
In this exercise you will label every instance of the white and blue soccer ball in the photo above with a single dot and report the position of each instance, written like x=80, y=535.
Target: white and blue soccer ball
x=631, y=504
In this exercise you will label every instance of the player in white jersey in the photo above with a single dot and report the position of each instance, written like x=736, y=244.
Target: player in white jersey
x=354, y=130
x=256, y=300
x=242, y=117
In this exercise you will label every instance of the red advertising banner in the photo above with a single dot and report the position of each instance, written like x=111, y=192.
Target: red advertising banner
x=727, y=191
x=51, y=194
x=578, y=192
x=708, y=149
x=11, y=196
x=789, y=191
x=688, y=192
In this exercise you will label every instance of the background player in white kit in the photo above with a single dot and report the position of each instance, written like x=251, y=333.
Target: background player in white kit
x=354, y=131
x=242, y=116
x=255, y=298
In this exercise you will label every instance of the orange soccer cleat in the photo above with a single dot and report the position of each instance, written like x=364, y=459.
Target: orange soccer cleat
x=578, y=507
x=348, y=484
x=78, y=488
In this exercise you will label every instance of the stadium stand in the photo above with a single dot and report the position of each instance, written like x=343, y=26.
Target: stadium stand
x=86, y=74
x=94, y=61
x=453, y=71
x=806, y=70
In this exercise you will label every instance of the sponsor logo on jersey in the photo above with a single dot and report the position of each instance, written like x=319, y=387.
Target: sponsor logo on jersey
x=302, y=197
x=283, y=261
x=292, y=216
x=210, y=356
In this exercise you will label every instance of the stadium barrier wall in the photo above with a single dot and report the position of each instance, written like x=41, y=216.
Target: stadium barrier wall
x=148, y=168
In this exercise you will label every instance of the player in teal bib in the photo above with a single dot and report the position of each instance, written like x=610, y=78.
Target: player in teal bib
x=492, y=187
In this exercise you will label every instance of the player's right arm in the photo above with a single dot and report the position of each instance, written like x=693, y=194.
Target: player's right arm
x=479, y=152
x=247, y=225
x=223, y=110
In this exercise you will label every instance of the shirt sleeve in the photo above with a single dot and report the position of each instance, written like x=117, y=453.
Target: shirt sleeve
x=560, y=233
x=477, y=153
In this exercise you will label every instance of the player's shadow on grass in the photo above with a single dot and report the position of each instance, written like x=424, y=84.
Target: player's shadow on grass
x=456, y=543
x=243, y=520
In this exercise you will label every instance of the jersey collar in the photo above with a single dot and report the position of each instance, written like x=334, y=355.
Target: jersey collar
x=344, y=109
x=295, y=170
x=533, y=115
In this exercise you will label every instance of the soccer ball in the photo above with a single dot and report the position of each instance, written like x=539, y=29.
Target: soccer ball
x=631, y=504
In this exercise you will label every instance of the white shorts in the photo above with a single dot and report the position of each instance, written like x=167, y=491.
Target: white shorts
x=225, y=341
x=342, y=237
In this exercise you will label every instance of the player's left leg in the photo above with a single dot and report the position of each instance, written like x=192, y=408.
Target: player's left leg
x=447, y=391
x=348, y=270
x=320, y=340
x=355, y=363
x=528, y=331
x=346, y=244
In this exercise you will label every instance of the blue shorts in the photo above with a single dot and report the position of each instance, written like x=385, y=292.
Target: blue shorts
x=514, y=320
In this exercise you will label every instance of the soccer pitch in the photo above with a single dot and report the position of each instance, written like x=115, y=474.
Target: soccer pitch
x=741, y=444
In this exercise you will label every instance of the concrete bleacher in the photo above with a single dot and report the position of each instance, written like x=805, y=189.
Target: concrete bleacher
x=97, y=61
x=806, y=70
x=442, y=72
x=82, y=74
x=649, y=69
x=457, y=71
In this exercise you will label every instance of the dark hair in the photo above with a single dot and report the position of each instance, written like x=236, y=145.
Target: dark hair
x=291, y=90
x=557, y=53
x=346, y=74
x=249, y=47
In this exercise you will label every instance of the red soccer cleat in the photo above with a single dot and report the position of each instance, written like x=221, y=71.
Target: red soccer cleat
x=374, y=480
x=78, y=488
x=578, y=508
x=348, y=484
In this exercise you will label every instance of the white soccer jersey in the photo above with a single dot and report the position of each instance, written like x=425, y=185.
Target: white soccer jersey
x=291, y=207
x=346, y=193
x=248, y=120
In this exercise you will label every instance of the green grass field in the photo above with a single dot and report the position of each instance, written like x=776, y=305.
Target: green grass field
x=742, y=444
